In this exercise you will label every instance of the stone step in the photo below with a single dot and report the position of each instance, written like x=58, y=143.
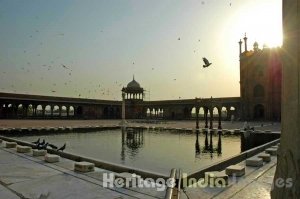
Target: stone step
x=236, y=170
x=36, y=152
x=84, y=166
x=1, y=141
x=265, y=156
x=254, y=162
x=271, y=151
x=10, y=145
x=51, y=158
x=130, y=178
x=216, y=178
x=23, y=149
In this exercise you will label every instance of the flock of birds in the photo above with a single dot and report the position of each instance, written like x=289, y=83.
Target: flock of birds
x=43, y=145
x=85, y=92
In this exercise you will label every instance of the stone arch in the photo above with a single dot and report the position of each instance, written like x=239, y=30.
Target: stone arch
x=258, y=91
x=64, y=111
x=20, y=109
x=201, y=112
x=224, y=113
x=193, y=112
x=71, y=111
x=186, y=113
x=259, y=111
x=79, y=110
x=48, y=110
x=39, y=110
x=56, y=110
x=161, y=113
x=215, y=112
x=118, y=112
x=30, y=110
x=148, y=112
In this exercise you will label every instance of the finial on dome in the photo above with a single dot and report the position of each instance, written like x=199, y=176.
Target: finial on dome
x=133, y=76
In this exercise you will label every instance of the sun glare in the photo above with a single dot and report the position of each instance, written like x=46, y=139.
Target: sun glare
x=261, y=22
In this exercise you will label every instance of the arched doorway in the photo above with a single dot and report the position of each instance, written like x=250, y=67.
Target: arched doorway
x=259, y=111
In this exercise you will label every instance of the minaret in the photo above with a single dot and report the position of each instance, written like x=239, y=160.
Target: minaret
x=255, y=46
x=245, y=40
x=240, y=44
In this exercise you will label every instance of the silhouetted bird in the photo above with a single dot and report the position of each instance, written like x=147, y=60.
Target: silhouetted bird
x=43, y=142
x=206, y=62
x=62, y=148
x=36, y=142
x=52, y=146
x=44, y=146
x=65, y=66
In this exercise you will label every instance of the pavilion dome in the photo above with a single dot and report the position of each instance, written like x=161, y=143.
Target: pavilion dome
x=133, y=84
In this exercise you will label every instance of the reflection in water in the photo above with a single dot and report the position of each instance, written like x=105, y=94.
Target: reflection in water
x=132, y=141
x=197, y=145
x=209, y=148
x=157, y=151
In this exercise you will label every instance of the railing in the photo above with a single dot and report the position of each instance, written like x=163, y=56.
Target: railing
x=173, y=192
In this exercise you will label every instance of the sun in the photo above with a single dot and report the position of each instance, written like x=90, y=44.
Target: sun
x=261, y=21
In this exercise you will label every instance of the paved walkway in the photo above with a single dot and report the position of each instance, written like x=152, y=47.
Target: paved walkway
x=256, y=184
x=24, y=176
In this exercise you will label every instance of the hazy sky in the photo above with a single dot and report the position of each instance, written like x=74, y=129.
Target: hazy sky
x=103, y=43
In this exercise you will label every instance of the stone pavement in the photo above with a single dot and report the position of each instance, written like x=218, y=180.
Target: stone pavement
x=256, y=183
x=25, y=176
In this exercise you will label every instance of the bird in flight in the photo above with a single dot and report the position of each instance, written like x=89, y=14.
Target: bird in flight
x=206, y=62
x=65, y=66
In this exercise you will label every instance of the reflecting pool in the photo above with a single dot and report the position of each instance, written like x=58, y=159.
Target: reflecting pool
x=157, y=151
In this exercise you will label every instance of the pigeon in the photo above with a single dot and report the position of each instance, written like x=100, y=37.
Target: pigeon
x=62, y=148
x=36, y=142
x=44, y=146
x=206, y=62
x=65, y=66
x=42, y=143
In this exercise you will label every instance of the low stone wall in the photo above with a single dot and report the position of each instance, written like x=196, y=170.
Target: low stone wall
x=52, y=130
x=251, y=139
x=231, y=161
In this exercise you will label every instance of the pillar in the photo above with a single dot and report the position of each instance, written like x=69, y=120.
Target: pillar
x=68, y=109
x=288, y=156
x=220, y=117
x=205, y=117
x=123, y=122
x=197, y=117
x=43, y=110
x=52, y=107
x=211, y=118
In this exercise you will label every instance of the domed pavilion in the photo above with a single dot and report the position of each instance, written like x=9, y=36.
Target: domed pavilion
x=133, y=91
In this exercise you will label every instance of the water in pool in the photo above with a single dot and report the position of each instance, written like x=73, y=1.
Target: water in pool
x=157, y=151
